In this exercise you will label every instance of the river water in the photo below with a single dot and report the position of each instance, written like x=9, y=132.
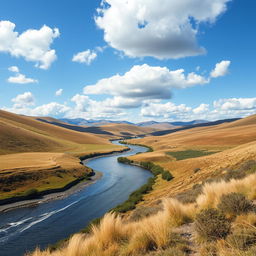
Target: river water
x=24, y=229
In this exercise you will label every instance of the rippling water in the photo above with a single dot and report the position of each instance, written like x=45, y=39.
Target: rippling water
x=24, y=229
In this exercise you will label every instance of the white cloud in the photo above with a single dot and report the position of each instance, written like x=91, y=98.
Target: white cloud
x=220, y=109
x=236, y=104
x=157, y=28
x=33, y=45
x=165, y=110
x=88, y=108
x=145, y=82
x=59, y=92
x=203, y=108
x=221, y=69
x=21, y=79
x=14, y=69
x=50, y=109
x=86, y=57
x=23, y=100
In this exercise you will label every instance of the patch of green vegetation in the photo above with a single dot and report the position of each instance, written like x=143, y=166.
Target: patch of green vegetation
x=190, y=153
x=150, y=149
x=135, y=197
x=124, y=160
x=156, y=170
x=153, y=168
x=31, y=193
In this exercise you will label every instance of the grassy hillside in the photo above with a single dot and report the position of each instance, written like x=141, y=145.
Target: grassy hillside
x=207, y=209
x=126, y=130
x=110, y=131
x=35, y=154
x=24, y=134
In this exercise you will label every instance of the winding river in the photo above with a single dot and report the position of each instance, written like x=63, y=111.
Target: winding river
x=24, y=229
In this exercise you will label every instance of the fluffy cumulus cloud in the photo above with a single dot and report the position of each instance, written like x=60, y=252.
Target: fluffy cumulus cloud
x=236, y=104
x=86, y=57
x=221, y=69
x=23, y=100
x=220, y=109
x=33, y=45
x=88, y=108
x=165, y=110
x=19, y=78
x=145, y=82
x=59, y=92
x=203, y=108
x=157, y=28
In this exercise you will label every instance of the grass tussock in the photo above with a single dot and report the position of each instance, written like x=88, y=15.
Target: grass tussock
x=212, y=192
x=112, y=236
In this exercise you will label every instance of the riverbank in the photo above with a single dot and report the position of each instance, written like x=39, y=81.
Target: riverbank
x=71, y=188
x=50, y=197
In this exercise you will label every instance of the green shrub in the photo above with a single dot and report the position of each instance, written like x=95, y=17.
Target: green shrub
x=31, y=193
x=167, y=175
x=211, y=225
x=235, y=204
x=135, y=197
x=124, y=160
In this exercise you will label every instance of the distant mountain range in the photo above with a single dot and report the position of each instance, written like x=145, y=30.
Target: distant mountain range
x=91, y=122
x=150, y=123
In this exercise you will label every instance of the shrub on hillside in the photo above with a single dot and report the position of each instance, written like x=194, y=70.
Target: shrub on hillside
x=211, y=225
x=191, y=195
x=124, y=160
x=167, y=175
x=235, y=204
x=31, y=193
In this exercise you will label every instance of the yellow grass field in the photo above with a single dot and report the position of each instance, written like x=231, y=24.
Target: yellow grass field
x=234, y=143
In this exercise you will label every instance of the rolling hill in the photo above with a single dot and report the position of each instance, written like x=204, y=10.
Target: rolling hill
x=228, y=145
x=24, y=134
x=35, y=154
x=110, y=131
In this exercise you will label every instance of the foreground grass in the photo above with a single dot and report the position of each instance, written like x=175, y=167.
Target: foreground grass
x=221, y=225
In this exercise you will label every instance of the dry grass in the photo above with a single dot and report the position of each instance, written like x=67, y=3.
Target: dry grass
x=116, y=237
x=212, y=192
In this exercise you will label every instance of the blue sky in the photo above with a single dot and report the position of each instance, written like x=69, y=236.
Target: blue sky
x=165, y=54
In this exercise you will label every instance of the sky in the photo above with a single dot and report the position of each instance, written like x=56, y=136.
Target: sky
x=134, y=60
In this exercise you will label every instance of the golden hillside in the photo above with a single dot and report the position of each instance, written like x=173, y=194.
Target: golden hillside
x=231, y=144
x=24, y=134
x=122, y=130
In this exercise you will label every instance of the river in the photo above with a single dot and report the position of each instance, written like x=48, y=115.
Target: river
x=24, y=229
